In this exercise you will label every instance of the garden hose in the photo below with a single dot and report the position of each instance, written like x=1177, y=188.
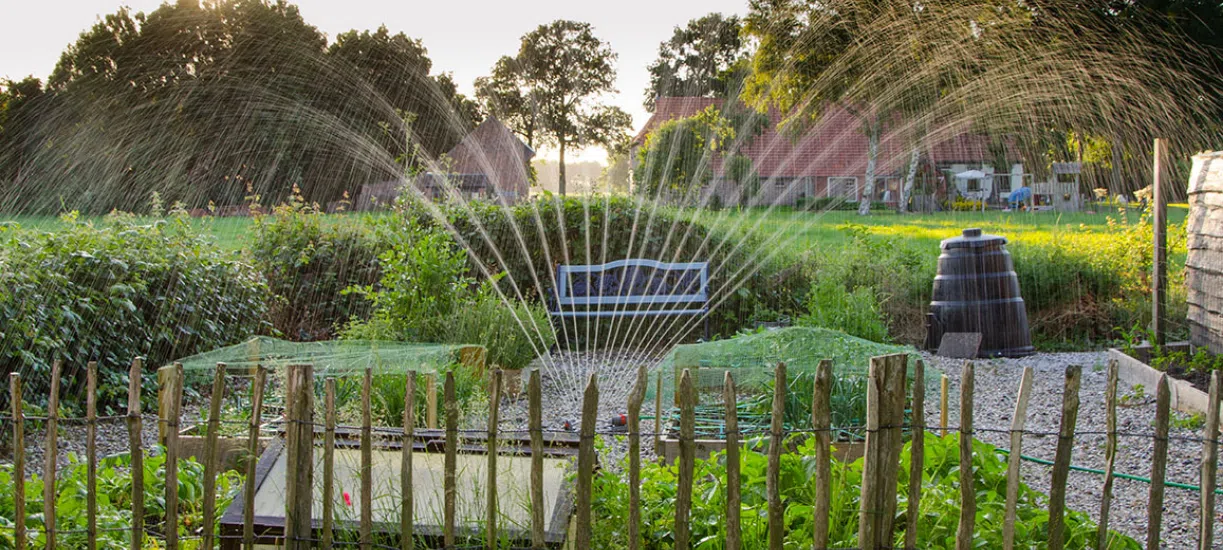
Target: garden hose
x=1130, y=477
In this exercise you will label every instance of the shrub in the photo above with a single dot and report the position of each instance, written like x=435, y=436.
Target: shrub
x=115, y=291
x=855, y=312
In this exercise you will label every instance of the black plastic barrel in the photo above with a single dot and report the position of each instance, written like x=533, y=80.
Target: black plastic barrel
x=976, y=290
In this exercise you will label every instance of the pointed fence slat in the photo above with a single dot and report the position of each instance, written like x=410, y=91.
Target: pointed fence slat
x=449, y=482
x=734, y=529
x=174, y=408
x=536, y=428
x=1210, y=465
x=91, y=455
x=586, y=463
x=1110, y=453
x=210, y=455
x=821, y=422
x=252, y=457
x=1061, y=457
x=299, y=456
x=968, y=493
x=635, y=397
x=917, y=454
x=885, y=402
x=19, y=515
x=1018, y=419
x=772, y=477
x=494, y=419
x=431, y=401
x=407, y=519
x=944, y=386
x=52, y=451
x=1159, y=463
x=135, y=428
x=367, y=462
x=658, y=412
x=328, y=535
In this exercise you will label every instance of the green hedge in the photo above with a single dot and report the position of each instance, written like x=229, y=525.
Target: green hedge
x=114, y=291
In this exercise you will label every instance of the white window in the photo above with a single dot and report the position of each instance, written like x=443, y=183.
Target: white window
x=844, y=187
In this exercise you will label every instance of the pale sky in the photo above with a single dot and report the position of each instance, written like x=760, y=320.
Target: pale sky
x=464, y=37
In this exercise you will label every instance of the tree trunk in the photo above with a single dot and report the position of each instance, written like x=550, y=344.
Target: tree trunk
x=872, y=157
x=560, y=182
x=910, y=178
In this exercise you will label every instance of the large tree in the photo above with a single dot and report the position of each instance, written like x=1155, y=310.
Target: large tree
x=503, y=94
x=562, y=71
x=705, y=58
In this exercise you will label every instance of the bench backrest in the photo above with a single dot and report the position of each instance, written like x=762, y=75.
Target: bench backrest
x=632, y=282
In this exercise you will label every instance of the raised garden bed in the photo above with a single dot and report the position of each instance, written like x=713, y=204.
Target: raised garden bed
x=1187, y=386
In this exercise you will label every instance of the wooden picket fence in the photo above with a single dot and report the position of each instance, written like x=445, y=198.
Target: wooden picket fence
x=885, y=421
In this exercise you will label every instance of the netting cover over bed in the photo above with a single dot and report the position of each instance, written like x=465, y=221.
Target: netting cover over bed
x=331, y=357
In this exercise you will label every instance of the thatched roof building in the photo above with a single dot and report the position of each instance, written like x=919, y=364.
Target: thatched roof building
x=1204, y=266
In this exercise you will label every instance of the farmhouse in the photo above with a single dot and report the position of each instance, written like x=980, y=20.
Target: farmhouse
x=829, y=160
x=490, y=163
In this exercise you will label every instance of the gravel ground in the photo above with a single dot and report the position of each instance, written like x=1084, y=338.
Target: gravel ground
x=564, y=377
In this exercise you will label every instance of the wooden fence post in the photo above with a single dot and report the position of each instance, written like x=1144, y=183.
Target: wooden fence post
x=586, y=463
x=407, y=507
x=1061, y=457
x=1110, y=452
x=449, y=481
x=1159, y=263
x=917, y=453
x=968, y=493
x=91, y=455
x=821, y=422
x=431, y=401
x=536, y=428
x=772, y=478
x=135, y=427
x=367, y=461
x=328, y=497
x=52, y=453
x=494, y=420
x=174, y=409
x=1018, y=419
x=734, y=527
x=1159, y=463
x=19, y=515
x=635, y=397
x=210, y=455
x=942, y=408
x=885, y=401
x=252, y=457
x=299, y=456
x=1210, y=465
x=658, y=418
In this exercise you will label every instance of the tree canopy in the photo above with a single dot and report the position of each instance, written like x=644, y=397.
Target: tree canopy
x=705, y=58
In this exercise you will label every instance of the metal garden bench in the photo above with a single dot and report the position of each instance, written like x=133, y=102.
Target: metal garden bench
x=632, y=288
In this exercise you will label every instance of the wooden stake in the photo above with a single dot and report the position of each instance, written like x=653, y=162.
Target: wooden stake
x=450, y=483
x=19, y=515
x=367, y=461
x=772, y=478
x=252, y=457
x=734, y=526
x=407, y=520
x=210, y=455
x=1061, y=458
x=635, y=397
x=1110, y=453
x=1018, y=419
x=431, y=401
x=535, y=425
x=1159, y=221
x=658, y=412
x=885, y=402
x=91, y=455
x=1210, y=465
x=174, y=411
x=821, y=422
x=52, y=452
x=299, y=456
x=586, y=463
x=1159, y=463
x=135, y=427
x=917, y=454
x=968, y=493
x=328, y=534
x=494, y=420
x=942, y=405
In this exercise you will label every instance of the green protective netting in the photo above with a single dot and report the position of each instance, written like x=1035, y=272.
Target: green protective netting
x=332, y=358
x=752, y=358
